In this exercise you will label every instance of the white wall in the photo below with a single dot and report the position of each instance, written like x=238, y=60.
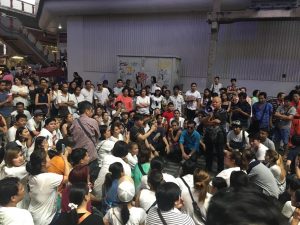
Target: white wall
x=256, y=53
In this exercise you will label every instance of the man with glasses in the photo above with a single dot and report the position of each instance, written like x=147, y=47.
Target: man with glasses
x=193, y=101
x=189, y=140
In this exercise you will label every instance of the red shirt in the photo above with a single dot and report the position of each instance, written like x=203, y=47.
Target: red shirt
x=168, y=115
x=127, y=101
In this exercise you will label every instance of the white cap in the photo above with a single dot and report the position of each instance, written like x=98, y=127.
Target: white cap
x=126, y=191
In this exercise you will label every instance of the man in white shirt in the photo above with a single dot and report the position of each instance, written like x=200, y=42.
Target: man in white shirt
x=193, y=101
x=257, y=147
x=20, y=109
x=21, y=120
x=49, y=131
x=101, y=95
x=65, y=101
x=118, y=89
x=35, y=124
x=12, y=192
x=216, y=86
x=177, y=99
x=88, y=91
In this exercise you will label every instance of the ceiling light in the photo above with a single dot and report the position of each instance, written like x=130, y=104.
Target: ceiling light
x=17, y=57
x=59, y=26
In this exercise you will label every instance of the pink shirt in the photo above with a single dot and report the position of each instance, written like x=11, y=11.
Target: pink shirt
x=127, y=101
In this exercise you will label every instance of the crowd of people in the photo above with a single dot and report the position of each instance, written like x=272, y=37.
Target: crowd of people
x=82, y=153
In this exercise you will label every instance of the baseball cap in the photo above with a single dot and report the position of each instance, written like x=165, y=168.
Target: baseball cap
x=38, y=112
x=126, y=191
x=157, y=89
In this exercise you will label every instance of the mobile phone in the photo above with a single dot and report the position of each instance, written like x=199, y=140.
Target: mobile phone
x=63, y=148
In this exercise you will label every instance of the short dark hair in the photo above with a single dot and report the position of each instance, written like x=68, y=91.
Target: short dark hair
x=242, y=94
x=119, y=80
x=249, y=206
x=9, y=187
x=255, y=92
x=87, y=81
x=233, y=79
x=166, y=195
x=219, y=183
x=76, y=155
x=20, y=103
x=49, y=120
x=193, y=84
x=238, y=179
x=83, y=106
x=120, y=149
x=20, y=116
x=263, y=94
x=157, y=163
x=191, y=122
x=137, y=117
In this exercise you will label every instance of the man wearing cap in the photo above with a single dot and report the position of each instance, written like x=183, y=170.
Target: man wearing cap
x=101, y=95
x=35, y=124
x=237, y=138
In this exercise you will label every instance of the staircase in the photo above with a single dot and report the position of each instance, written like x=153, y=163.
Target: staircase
x=17, y=36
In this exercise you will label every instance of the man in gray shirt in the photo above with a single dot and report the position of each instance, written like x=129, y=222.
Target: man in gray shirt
x=260, y=175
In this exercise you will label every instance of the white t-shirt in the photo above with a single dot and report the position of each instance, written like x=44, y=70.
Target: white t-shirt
x=147, y=198
x=137, y=216
x=167, y=178
x=88, y=95
x=26, y=113
x=15, y=216
x=181, y=121
x=43, y=193
x=19, y=172
x=11, y=133
x=178, y=102
x=192, y=105
x=145, y=100
x=66, y=98
x=104, y=148
x=288, y=211
x=261, y=152
x=102, y=96
x=52, y=137
x=32, y=125
x=231, y=136
x=132, y=160
x=107, y=161
x=227, y=173
x=156, y=101
x=24, y=89
x=118, y=90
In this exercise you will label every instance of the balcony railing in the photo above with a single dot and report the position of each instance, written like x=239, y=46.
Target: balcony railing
x=19, y=5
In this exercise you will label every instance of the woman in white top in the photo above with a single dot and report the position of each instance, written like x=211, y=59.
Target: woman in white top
x=143, y=103
x=146, y=198
x=275, y=163
x=116, y=132
x=43, y=187
x=125, y=213
x=20, y=92
x=199, y=191
x=105, y=145
x=24, y=140
x=156, y=99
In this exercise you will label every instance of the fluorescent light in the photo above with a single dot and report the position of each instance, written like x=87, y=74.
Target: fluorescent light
x=17, y=57
x=59, y=26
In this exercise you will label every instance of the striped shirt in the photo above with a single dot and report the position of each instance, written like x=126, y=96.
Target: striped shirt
x=172, y=217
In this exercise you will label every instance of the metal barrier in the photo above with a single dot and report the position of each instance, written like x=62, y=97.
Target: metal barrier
x=19, y=5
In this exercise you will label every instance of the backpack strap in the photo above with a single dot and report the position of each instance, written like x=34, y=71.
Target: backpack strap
x=141, y=169
x=153, y=204
x=83, y=217
x=161, y=217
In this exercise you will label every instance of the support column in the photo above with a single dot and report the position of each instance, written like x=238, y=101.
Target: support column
x=214, y=32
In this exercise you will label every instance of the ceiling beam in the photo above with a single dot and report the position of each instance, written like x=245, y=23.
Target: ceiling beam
x=248, y=15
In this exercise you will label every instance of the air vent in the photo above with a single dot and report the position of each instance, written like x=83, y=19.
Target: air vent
x=274, y=4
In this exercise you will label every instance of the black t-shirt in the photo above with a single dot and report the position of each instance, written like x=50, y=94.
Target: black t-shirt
x=292, y=156
x=90, y=220
x=221, y=115
x=135, y=132
x=245, y=107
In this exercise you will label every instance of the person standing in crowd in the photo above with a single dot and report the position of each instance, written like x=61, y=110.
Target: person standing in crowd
x=77, y=79
x=284, y=116
x=177, y=99
x=20, y=92
x=255, y=94
x=88, y=91
x=65, y=101
x=215, y=136
x=85, y=132
x=119, y=87
x=232, y=88
x=295, y=128
x=126, y=99
x=32, y=91
x=5, y=102
x=262, y=112
x=193, y=101
x=216, y=86
x=156, y=99
x=143, y=103
x=139, y=85
x=241, y=111
x=43, y=97
x=101, y=95
x=11, y=193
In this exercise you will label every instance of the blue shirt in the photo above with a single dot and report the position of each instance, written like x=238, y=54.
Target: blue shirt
x=258, y=113
x=5, y=110
x=190, y=141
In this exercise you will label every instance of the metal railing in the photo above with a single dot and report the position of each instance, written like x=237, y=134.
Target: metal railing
x=14, y=25
x=19, y=5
